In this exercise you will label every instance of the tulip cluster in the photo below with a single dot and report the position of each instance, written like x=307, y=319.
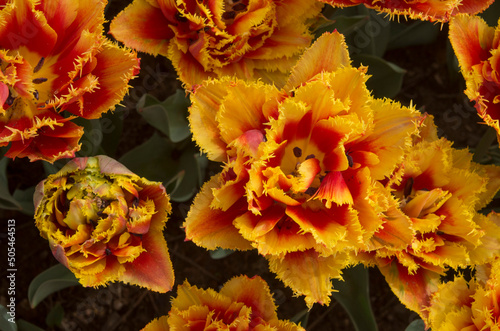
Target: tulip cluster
x=317, y=174
x=56, y=65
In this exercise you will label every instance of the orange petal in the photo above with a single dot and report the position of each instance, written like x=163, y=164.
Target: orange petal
x=314, y=62
x=23, y=26
x=151, y=269
x=334, y=189
x=273, y=232
x=254, y=293
x=115, y=67
x=472, y=40
x=336, y=228
x=309, y=274
x=213, y=228
x=144, y=27
x=158, y=324
x=413, y=290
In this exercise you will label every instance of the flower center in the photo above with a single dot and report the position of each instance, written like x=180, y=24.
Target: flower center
x=233, y=8
x=27, y=76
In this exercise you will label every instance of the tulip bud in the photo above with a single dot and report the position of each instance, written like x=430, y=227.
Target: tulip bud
x=105, y=223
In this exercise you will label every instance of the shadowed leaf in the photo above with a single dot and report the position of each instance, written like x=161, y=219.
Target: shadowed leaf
x=49, y=281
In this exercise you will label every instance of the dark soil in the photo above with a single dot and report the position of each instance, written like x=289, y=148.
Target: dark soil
x=122, y=307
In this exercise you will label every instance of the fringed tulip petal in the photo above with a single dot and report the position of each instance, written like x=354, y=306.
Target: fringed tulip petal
x=478, y=56
x=55, y=58
x=439, y=190
x=242, y=304
x=251, y=40
x=314, y=61
x=214, y=228
x=467, y=305
x=86, y=212
x=413, y=289
x=431, y=10
x=128, y=26
x=308, y=274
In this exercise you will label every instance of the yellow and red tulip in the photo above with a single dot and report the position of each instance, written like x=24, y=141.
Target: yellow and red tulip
x=477, y=47
x=241, y=304
x=429, y=10
x=249, y=39
x=105, y=223
x=440, y=191
x=56, y=65
x=468, y=305
x=301, y=164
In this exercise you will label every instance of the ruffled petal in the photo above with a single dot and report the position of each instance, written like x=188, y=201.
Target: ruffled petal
x=308, y=274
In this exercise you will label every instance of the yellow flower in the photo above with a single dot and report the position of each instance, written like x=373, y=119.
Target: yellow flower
x=241, y=304
x=254, y=39
x=105, y=223
x=431, y=10
x=472, y=305
x=477, y=47
x=440, y=191
x=55, y=65
x=298, y=182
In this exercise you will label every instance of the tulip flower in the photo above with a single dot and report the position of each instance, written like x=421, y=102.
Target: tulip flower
x=55, y=65
x=428, y=10
x=255, y=39
x=300, y=167
x=105, y=223
x=468, y=305
x=477, y=47
x=440, y=190
x=241, y=304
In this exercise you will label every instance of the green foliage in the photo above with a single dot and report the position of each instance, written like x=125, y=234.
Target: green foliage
x=416, y=325
x=169, y=116
x=301, y=317
x=386, y=77
x=55, y=316
x=49, y=281
x=20, y=200
x=159, y=159
x=416, y=33
x=220, y=253
x=353, y=294
x=6, y=323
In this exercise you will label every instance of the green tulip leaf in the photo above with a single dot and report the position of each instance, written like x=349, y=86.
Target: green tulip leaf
x=415, y=34
x=112, y=128
x=7, y=201
x=220, y=253
x=152, y=159
x=49, y=281
x=25, y=200
x=301, y=318
x=169, y=116
x=5, y=324
x=416, y=325
x=192, y=166
x=23, y=325
x=386, y=77
x=353, y=295
x=55, y=315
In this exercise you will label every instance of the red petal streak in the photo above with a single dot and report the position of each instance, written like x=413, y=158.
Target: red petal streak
x=153, y=268
x=334, y=189
x=143, y=27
